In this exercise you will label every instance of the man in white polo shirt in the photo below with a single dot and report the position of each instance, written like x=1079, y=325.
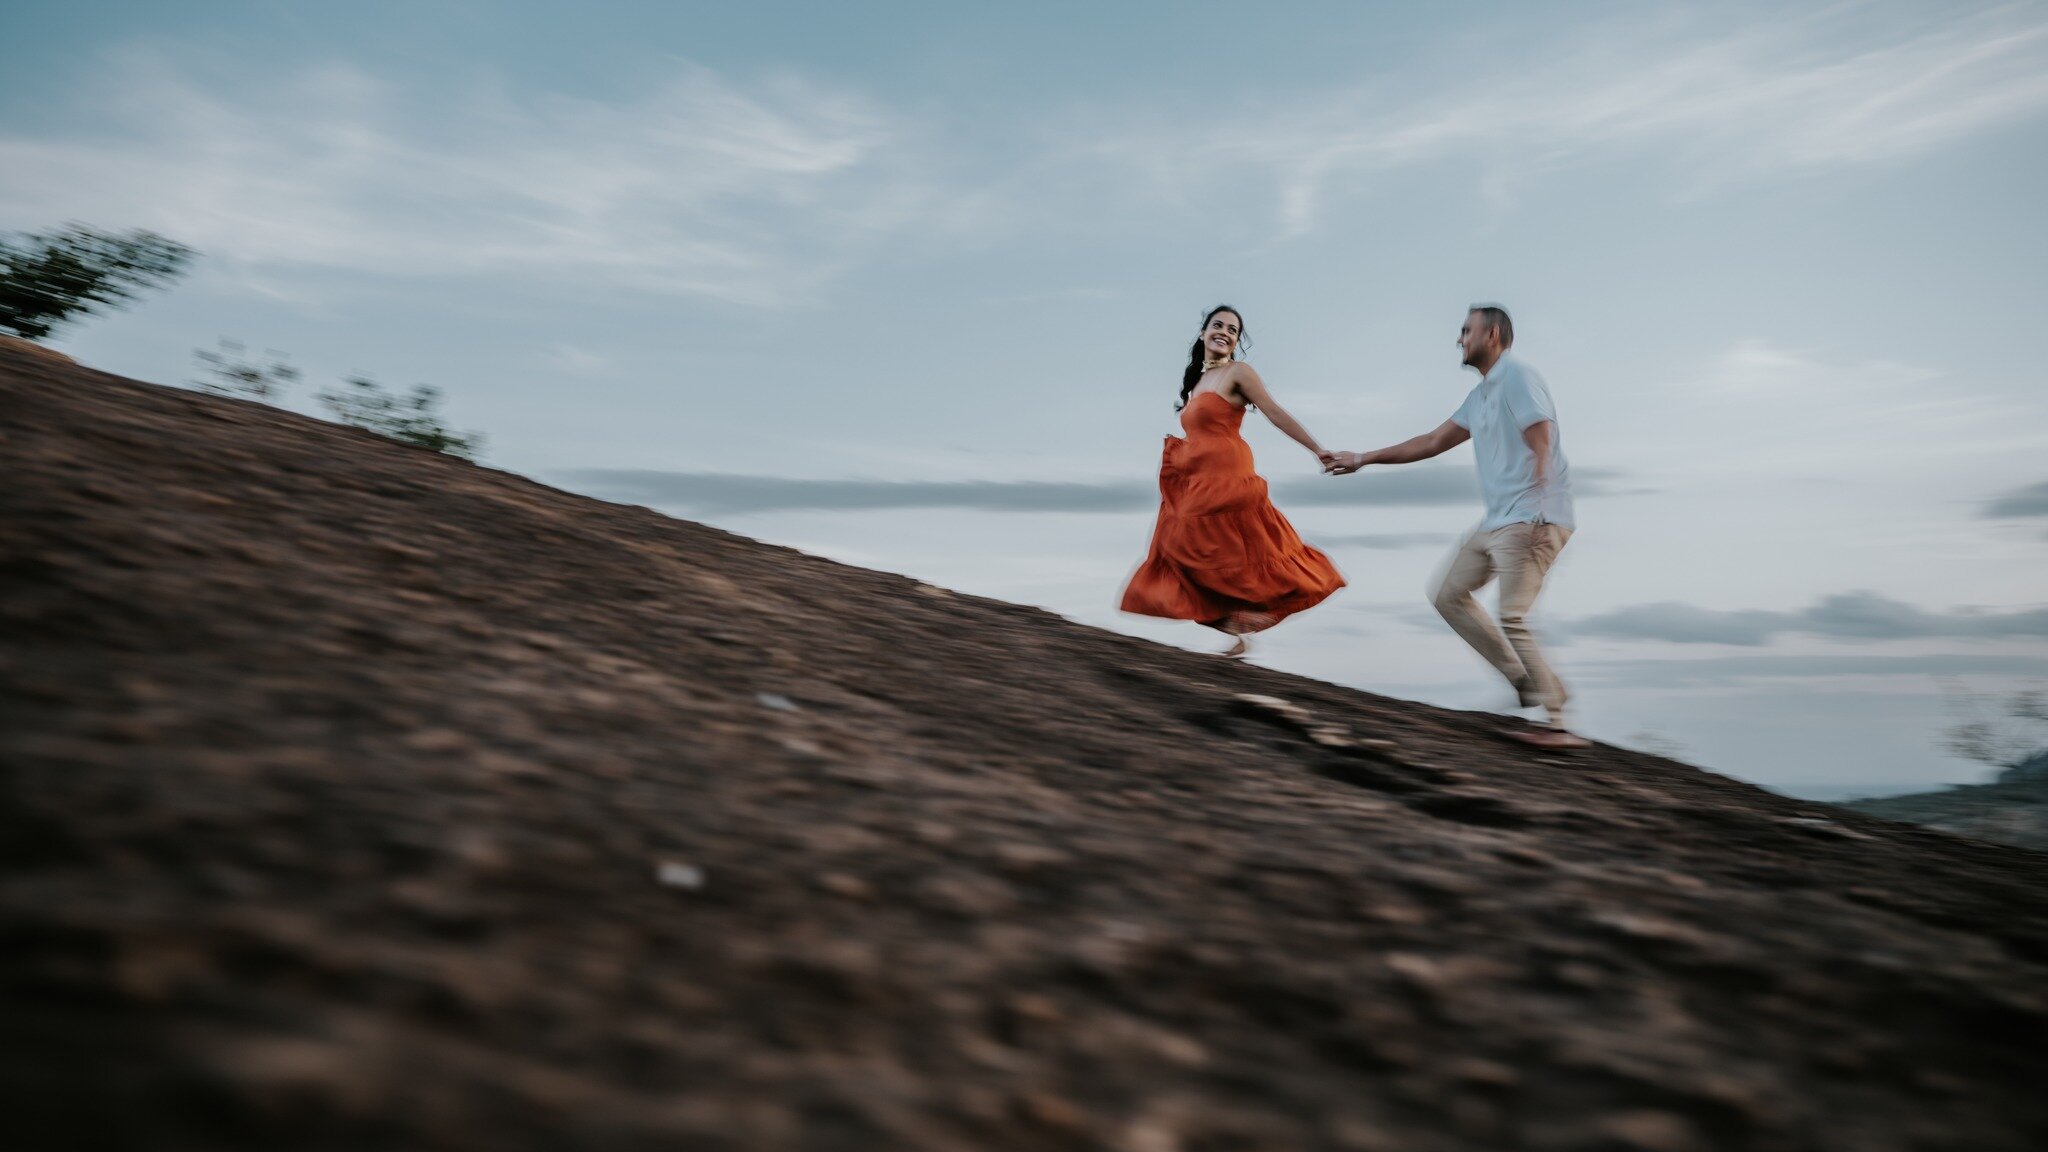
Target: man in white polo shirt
x=1512, y=423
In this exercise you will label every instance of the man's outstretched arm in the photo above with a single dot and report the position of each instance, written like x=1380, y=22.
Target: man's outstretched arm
x=1447, y=436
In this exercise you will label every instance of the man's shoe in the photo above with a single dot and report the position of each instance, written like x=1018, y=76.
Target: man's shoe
x=1555, y=739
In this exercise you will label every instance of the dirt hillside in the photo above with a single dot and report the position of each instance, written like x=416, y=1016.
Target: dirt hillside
x=352, y=796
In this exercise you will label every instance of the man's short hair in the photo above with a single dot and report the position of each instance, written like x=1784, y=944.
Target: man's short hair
x=1496, y=318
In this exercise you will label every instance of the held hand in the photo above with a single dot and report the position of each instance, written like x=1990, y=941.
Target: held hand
x=1343, y=463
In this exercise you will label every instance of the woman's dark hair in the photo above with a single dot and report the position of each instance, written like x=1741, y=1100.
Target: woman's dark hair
x=1193, y=372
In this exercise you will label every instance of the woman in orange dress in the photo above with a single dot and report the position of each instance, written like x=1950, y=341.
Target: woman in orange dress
x=1221, y=554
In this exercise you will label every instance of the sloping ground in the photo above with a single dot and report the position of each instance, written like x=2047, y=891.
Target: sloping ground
x=2008, y=813
x=356, y=797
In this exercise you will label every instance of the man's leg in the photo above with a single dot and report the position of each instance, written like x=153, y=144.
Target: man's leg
x=1469, y=566
x=1523, y=554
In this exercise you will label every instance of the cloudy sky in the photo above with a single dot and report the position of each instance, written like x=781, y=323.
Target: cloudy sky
x=909, y=285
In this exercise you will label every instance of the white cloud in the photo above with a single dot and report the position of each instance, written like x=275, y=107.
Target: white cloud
x=1847, y=616
x=1843, y=671
x=762, y=190
x=1773, y=412
x=577, y=361
x=1795, y=94
x=700, y=185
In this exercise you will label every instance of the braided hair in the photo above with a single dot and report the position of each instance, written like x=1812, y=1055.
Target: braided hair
x=1193, y=372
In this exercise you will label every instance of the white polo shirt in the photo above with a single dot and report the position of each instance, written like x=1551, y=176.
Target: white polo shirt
x=1507, y=401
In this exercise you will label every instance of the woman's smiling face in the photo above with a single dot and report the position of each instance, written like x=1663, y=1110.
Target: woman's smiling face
x=1219, y=338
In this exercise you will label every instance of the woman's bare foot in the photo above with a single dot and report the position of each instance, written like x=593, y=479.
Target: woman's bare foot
x=1242, y=625
x=1246, y=623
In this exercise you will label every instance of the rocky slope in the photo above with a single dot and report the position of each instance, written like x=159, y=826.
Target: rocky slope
x=353, y=796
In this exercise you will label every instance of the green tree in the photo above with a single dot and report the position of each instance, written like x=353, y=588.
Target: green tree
x=230, y=372
x=48, y=278
x=408, y=419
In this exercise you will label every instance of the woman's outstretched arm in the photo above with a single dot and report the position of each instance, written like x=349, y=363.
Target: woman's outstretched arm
x=1254, y=390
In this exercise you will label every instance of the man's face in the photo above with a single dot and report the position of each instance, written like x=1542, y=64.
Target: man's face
x=1477, y=340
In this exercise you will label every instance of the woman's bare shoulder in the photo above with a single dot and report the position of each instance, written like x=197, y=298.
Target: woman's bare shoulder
x=1243, y=377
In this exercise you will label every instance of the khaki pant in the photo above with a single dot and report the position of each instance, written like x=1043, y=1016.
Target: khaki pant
x=1521, y=555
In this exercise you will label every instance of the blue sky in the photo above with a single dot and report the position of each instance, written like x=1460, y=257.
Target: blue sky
x=909, y=287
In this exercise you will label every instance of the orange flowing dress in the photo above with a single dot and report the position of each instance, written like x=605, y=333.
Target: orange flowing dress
x=1220, y=547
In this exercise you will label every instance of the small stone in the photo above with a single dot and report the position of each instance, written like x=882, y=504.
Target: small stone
x=966, y=895
x=1419, y=970
x=1581, y=975
x=1934, y=1080
x=1683, y=880
x=435, y=740
x=1354, y=1135
x=592, y=699
x=1822, y=827
x=1649, y=1130
x=1286, y=709
x=1526, y=857
x=1475, y=1070
x=504, y=764
x=1477, y=1120
x=1150, y=1134
x=850, y=887
x=1051, y=1111
x=1398, y=914
x=1640, y=926
x=1017, y=857
x=775, y=701
x=1185, y=1051
x=393, y=550
x=132, y=730
x=1398, y=1054
x=933, y=832
x=480, y=851
x=675, y=874
x=1037, y=1008
x=145, y=690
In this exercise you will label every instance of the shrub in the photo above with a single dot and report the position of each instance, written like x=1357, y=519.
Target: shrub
x=409, y=419
x=47, y=279
x=232, y=373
